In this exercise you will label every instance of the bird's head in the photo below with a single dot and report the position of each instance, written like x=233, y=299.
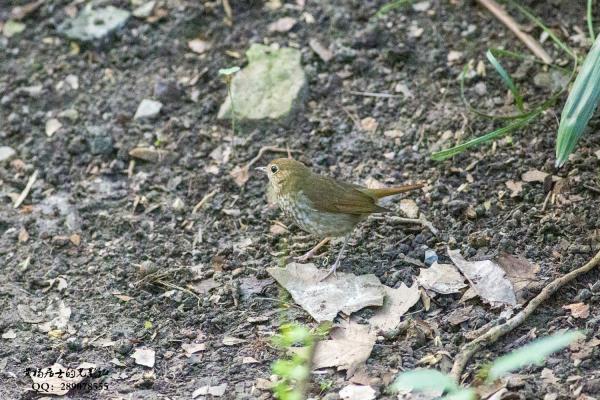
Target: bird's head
x=283, y=171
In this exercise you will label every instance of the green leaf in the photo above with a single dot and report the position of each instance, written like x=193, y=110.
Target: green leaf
x=12, y=28
x=147, y=325
x=506, y=78
x=228, y=71
x=533, y=353
x=391, y=6
x=424, y=379
x=590, y=19
x=580, y=105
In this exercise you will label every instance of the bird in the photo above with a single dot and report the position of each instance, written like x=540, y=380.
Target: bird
x=321, y=205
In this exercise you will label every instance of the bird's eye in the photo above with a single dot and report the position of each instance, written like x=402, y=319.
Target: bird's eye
x=274, y=169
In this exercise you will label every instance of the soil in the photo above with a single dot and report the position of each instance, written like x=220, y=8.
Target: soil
x=144, y=270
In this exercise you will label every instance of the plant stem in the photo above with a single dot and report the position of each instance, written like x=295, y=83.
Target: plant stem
x=590, y=22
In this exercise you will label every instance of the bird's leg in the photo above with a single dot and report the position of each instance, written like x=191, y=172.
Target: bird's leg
x=337, y=261
x=311, y=253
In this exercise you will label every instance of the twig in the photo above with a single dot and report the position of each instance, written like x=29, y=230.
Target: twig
x=421, y=220
x=510, y=23
x=374, y=94
x=203, y=201
x=25, y=191
x=263, y=150
x=495, y=333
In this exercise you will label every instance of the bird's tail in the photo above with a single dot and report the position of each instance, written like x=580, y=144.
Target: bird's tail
x=384, y=192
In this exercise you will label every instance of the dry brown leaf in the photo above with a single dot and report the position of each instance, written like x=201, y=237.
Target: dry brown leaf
x=149, y=154
x=578, y=310
x=349, y=347
x=520, y=272
x=52, y=126
x=534, y=175
x=515, y=188
x=191, y=348
x=75, y=239
x=232, y=341
x=144, y=356
x=357, y=392
x=123, y=297
x=324, y=299
x=395, y=304
x=323, y=52
x=486, y=278
x=240, y=175
x=23, y=235
x=441, y=278
x=369, y=124
x=409, y=208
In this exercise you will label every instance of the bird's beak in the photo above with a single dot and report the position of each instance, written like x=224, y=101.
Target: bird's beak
x=262, y=169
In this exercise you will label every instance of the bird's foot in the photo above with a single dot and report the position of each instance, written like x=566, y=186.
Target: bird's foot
x=312, y=252
x=332, y=271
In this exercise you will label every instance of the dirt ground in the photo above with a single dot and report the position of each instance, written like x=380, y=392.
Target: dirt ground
x=124, y=249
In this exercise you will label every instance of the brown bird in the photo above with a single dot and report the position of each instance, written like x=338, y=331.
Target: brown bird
x=321, y=205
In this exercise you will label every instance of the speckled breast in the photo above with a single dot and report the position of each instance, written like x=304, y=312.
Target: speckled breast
x=301, y=211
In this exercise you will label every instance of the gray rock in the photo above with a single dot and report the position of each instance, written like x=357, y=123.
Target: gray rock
x=99, y=140
x=271, y=88
x=552, y=80
x=6, y=153
x=167, y=90
x=93, y=24
x=430, y=257
x=148, y=109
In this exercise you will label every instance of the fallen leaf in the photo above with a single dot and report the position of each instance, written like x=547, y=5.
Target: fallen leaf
x=249, y=360
x=454, y=56
x=191, y=348
x=149, y=154
x=409, y=208
x=57, y=316
x=349, y=347
x=52, y=126
x=204, y=286
x=486, y=278
x=324, y=299
x=12, y=28
x=369, y=124
x=357, y=392
x=459, y=315
x=441, y=278
x=57, y=382
x=520, y=272
x=395, y=304
x=534, y=175
x=23, y=235
x=199, y=46
x=515, y=188
x=144, y=356
x=282, y=25
x=232, y=341
x=123, y=297
x=323, y=52
x=216, y=391
x=393, y=133
x=20, y=12
x=75, y=239
x=277, y=229
x=240, y=175
x=250, y=286
x=9, y=334
x=548, y=377
x=578, y=310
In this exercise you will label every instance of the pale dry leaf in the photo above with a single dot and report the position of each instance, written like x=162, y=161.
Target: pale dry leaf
x=277, y=229
x=57, y=316
x=149, y=154
x=454, y=56
x=204, y=286
x=216, y=391
x=323, y=52
x=23, y=235
x=395, y=304
x=534, y=175
x=324, y=299
x=9, y=334
x=393, y=133
x=520, y=271
x=459, y=315
x=578, y=310
x=486, y=278
x=199, y=46
x=232, y=341
x=123, y=297
x=441, y=278
x=409, y=208
x=349, y=347
x=249, y=360
x=282, y=25
x=191, y=348
x=144, y=356
x=369, y=124
x=515, y=188
x=357, y=392
x=240, y=175
x=548, y=377
x=75, y=239
x=60, y=386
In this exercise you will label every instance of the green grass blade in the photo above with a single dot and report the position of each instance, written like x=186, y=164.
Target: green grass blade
x=590, y=21
x=424, y=379
x=392, y=5
x=549, y=31
x=506, y=78
x=533, y=353
x=580, y=105
x=514, y=125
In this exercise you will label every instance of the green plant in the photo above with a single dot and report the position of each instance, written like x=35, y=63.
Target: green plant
x=294, y=372
x=580, y=105
x=227, y=74
x=422, y=380
x=524, y=117
x=391, y=6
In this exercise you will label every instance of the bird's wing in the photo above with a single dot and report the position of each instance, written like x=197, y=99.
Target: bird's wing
x=329, y=195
